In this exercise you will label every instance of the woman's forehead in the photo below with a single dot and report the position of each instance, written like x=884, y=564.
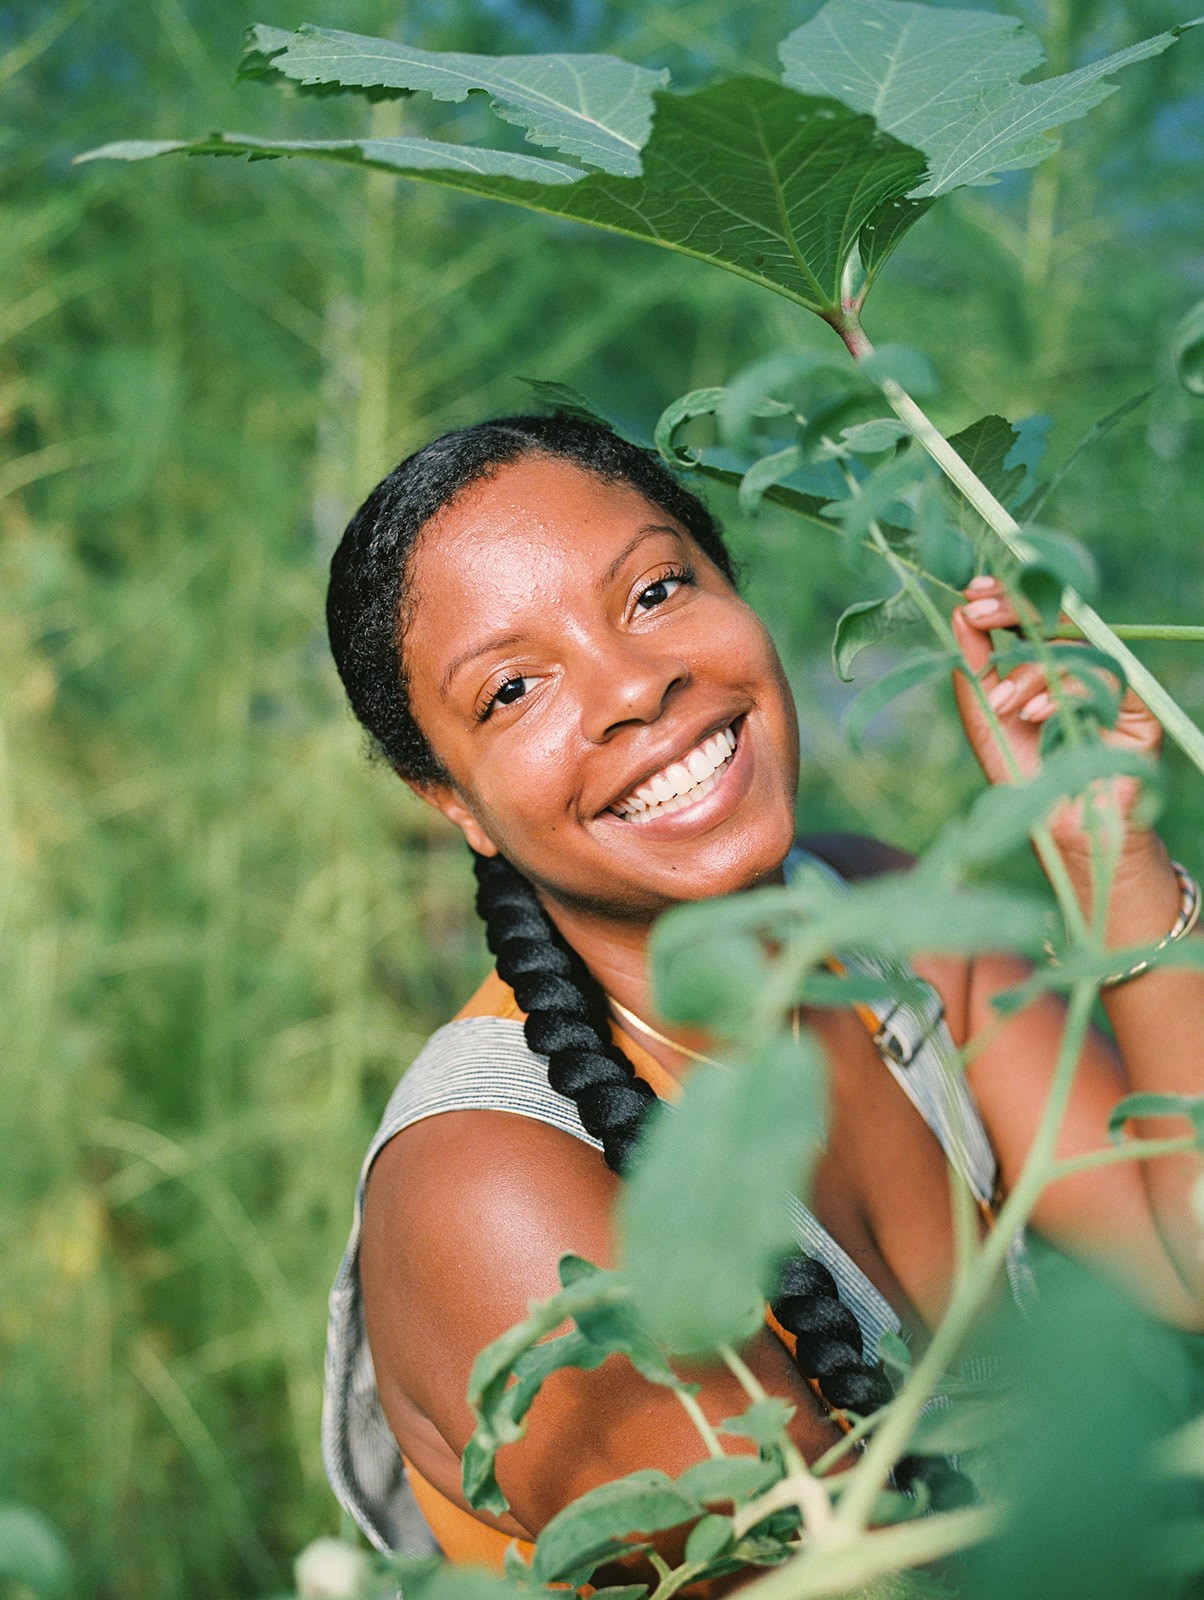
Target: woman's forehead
x=537, y=504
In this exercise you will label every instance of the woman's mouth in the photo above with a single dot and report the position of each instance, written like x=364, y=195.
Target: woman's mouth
x=682, y=783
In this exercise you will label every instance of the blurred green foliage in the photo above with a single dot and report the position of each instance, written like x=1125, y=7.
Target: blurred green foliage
x=224, y=934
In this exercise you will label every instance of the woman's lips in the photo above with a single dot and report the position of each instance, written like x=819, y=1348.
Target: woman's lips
x=682, y=783
x=705, y=806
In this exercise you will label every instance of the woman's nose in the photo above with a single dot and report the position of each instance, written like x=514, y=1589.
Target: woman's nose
x=629, y=683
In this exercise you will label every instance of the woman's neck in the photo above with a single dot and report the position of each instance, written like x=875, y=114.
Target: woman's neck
x=616, y=953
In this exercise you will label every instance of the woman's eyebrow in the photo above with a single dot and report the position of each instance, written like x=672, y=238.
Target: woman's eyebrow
x=498, y=641
x=646, y=532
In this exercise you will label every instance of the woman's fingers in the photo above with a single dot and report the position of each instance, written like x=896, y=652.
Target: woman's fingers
x=1006, y=739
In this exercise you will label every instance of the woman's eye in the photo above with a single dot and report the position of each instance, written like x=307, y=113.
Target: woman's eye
x=506, y=694
x=655, y=594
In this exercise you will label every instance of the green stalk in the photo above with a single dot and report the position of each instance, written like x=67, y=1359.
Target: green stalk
x=698, y=1417
x=835, y=1570
x=999, y=519
x=747, y=1379
x=1130, y=1150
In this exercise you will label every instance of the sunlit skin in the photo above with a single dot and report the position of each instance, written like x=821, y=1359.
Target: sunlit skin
x=565, y=640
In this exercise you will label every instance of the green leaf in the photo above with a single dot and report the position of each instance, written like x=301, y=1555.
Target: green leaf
x=986, y=446
x=709, y=1538
x=1056, y=562
x=715, y=981
x=698, y=403
x=596, y=108
x=602, y=1524
x=868, y=622
x=1187, y=350
x=969, y=1423
x=32, y=1551
x=942, y=549
x=508, y=1374
x=1190, y=1106
x=746, y=174
x=563, y=397
x=910, y=674
x=1003, y=816
x=764, y=1422
x=436, y=1579
x=842, y=990
x=904, y=365
x=701, y=1218
x=763, y=474
x=807, y=508
x=728, y=1478
x=502, y=1414
x=870, y=438
x=877, y=499
x=948, y=82
x=1092, y=965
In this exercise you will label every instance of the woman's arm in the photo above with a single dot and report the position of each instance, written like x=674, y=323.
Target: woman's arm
x=466, y=1218
x=1136, y=1213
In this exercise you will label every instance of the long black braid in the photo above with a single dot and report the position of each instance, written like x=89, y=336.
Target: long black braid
x=567, y=1021
x=367, y=610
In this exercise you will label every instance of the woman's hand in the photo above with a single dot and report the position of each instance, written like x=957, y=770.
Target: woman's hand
x=1023, y=703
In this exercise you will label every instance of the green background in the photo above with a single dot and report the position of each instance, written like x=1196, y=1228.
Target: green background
x=224, y=933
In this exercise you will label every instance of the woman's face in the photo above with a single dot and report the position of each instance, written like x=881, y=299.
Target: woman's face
x=612, y=716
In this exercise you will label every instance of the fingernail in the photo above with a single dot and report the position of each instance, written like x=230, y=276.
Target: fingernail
x=980, y=610
x=1039, y=706
x=980, y=585
x=1002, y=695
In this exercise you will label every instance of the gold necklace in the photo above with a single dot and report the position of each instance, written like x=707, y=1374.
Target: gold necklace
x=650, y=1032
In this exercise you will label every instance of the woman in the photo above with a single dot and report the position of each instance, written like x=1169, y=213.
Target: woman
x=539, y=627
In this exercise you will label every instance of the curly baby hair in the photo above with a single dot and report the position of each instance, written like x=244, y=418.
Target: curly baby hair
x=566, y=1011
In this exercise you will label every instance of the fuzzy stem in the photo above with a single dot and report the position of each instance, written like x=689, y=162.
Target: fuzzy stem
x=751, y=1384
x=697, y=1416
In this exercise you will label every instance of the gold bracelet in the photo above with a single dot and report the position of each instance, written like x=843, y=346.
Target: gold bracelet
x=1189, y=914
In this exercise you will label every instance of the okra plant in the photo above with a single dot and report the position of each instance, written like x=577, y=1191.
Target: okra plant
x=803, y=183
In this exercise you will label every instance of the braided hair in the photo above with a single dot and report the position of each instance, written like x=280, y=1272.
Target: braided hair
x=566, y=1010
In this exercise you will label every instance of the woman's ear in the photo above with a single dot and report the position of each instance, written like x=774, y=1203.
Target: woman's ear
x=447, y=799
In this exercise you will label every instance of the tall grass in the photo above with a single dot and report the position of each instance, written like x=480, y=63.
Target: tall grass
x=224, y=934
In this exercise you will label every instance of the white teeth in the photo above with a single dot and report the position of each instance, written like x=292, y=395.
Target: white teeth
x=682, y=783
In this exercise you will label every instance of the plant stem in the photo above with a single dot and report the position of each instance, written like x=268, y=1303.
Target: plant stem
x=751, y=1384
x=1180, y=632
x=1130, y=1150
x=835, y=1570
x=696, y=1415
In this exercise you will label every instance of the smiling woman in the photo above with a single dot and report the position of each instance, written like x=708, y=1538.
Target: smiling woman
x=540, y=628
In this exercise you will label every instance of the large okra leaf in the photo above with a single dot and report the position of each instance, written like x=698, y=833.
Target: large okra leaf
x=948, y=82
x=773, y=185
x=597, y=108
